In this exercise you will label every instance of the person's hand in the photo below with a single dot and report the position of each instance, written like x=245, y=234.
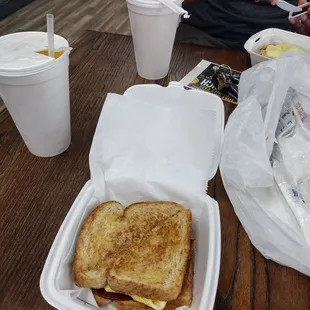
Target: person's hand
x=301, y=24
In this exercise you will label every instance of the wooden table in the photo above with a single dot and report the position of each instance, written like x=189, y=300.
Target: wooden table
x=36, y=193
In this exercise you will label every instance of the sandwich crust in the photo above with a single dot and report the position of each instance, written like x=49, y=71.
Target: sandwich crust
x=131, y=305
x=100, y=300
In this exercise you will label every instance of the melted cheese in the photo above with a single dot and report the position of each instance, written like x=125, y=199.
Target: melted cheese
x=154, y=304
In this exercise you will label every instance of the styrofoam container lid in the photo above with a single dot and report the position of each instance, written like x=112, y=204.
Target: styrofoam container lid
x=155, y=94
x=56, y=279
x=18, y=53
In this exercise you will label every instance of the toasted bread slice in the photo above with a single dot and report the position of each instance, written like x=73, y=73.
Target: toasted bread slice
x=141, y=251
x=130, y=305
x=98, y=240
x=154, y=267
x=143, y=216
x=186, y=296
x=184, y=299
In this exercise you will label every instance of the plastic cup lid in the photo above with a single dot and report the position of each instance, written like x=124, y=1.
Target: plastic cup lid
x=148, y=3
x=18, y=53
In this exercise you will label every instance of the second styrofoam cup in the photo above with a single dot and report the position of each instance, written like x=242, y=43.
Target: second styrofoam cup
x=153, y=27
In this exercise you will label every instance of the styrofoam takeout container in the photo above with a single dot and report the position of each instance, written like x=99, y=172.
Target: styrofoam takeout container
x=206, y=225
x=273, y=36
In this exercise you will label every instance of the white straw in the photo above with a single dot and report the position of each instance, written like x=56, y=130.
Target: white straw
x=50, y=34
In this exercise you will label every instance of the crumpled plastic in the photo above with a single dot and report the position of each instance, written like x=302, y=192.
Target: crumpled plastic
x=260, y=182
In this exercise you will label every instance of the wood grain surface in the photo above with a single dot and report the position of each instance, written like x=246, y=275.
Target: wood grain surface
x=36, y=193
x=72, y=17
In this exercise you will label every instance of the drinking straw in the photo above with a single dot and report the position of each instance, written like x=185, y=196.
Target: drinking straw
x=50, y=34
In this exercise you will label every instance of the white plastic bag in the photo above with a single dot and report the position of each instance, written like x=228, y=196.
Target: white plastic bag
x=245, y=164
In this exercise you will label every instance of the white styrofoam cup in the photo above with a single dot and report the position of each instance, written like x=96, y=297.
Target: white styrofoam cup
x=153, y=28
x=38, y=102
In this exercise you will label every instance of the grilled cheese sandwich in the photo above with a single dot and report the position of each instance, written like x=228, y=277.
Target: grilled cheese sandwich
x=142, y=252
